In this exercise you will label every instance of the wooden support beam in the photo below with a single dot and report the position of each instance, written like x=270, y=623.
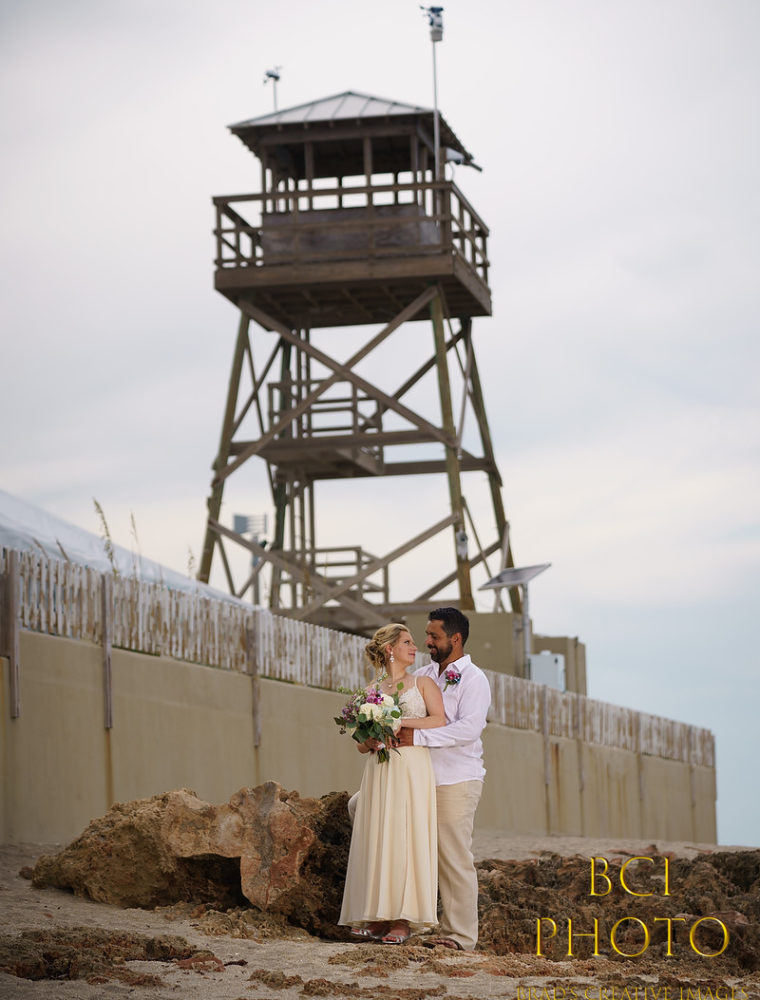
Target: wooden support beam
x=252, y=666
x=329, y=441
x=308, y=156
x=478, y=405
x=416, y=376
x=340, y=372
x=430, y=467
x=432, y=591
x=217, y=487
x=546, y=734
x=468, y=512
x=494, y=479
x=106, y=606
x=252, y=577
x=257, y=384
x=324, y=133
x=466, y=373
x=452, y=463
x=314, y=580
x=11, y=629
x=226, y=565
x=376, y=564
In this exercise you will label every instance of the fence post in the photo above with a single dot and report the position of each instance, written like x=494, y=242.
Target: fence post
x=546, y=731
x=11, y=630
x=106, y=592
x=640, y=772
x=692, y=785
x=579, y=749
x=252, y=668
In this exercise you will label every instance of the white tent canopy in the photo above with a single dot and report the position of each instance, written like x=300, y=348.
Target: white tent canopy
x=27, y=528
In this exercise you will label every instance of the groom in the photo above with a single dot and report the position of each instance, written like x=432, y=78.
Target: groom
x=457, y=757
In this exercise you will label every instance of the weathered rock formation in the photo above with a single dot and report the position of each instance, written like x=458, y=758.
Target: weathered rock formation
x=282, y=853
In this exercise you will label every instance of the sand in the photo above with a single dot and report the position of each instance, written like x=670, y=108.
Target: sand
x=300, y=965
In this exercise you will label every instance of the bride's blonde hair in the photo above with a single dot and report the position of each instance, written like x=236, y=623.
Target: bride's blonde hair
x=375, y=648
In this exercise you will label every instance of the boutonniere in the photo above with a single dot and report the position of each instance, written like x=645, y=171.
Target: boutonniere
x=452, y=676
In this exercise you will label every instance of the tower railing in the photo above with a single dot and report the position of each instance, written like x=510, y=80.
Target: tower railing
x=345, y=410
x=305, y=225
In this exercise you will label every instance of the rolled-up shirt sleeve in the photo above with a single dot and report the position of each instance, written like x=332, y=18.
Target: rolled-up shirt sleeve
x=469, y=721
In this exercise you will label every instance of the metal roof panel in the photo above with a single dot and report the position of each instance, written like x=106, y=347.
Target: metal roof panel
x=349, y=104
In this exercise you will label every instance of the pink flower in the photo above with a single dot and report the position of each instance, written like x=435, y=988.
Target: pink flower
x=452, y=676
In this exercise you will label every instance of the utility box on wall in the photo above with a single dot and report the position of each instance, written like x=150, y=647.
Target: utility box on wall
x=549, y=669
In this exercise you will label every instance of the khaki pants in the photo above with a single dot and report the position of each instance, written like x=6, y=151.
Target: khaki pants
x=457, y=879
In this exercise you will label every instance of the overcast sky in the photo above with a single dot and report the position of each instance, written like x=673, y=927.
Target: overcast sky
x=619, y=142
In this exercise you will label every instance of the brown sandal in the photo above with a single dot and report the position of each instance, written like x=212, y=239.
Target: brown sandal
x=444, y=943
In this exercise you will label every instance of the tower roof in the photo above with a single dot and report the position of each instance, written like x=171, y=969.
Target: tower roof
x=349, y=104
x=338, y=117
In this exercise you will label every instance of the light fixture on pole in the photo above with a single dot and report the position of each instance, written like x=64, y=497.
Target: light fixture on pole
x=435, y=20
x=519, y=577
x=274, y=76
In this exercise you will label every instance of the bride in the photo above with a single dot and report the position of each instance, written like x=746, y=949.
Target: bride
x=392, y=876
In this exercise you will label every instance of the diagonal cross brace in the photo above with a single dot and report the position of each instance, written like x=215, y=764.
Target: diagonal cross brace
x=339, y=372
x=475, y=561
x=378, y=563
x=310, y=580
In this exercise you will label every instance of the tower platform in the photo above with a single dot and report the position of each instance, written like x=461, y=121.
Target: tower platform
x=350, y=224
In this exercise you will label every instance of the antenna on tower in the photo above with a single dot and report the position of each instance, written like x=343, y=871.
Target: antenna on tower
x=274, y=76
x=435, y=20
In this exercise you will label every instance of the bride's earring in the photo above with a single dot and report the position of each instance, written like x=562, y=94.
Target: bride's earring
x=392, y=656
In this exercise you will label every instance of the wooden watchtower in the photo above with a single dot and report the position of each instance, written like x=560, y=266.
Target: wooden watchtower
x=351, y=228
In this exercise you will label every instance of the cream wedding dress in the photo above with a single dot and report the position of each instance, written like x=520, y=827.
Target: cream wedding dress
x=392, y=865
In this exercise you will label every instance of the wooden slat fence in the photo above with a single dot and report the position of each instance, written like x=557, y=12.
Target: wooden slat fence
x=66, y=599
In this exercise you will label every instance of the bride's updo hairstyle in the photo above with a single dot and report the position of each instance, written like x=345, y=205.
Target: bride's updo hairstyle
x=375, y=648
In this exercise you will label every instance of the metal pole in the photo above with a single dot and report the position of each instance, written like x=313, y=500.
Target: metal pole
x=436, y=126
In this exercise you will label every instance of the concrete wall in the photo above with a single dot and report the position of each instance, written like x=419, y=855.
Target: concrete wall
x=180, y=725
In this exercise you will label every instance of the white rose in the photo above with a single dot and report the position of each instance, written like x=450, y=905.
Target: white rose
x=388, y=702
x=371, y=711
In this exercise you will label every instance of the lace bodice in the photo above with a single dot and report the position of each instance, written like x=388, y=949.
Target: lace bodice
x=412, y=703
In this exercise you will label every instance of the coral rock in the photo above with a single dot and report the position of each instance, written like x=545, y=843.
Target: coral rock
x=282, y=853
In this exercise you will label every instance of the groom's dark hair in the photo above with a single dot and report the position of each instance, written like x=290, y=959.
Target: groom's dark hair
x=453, y=621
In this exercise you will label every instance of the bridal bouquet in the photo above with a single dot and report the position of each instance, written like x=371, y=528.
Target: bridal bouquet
x=370, y=714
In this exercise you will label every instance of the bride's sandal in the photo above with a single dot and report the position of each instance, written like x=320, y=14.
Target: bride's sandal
x=363, y=933
x=401, y=933
x=372, y=932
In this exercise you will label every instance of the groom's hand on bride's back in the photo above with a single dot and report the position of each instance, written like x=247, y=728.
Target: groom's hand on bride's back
x=404, y=737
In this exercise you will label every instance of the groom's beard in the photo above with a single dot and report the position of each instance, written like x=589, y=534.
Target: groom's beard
x=439, y=653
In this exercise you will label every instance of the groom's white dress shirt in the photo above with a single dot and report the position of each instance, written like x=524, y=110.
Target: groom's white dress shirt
x=459, y=750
